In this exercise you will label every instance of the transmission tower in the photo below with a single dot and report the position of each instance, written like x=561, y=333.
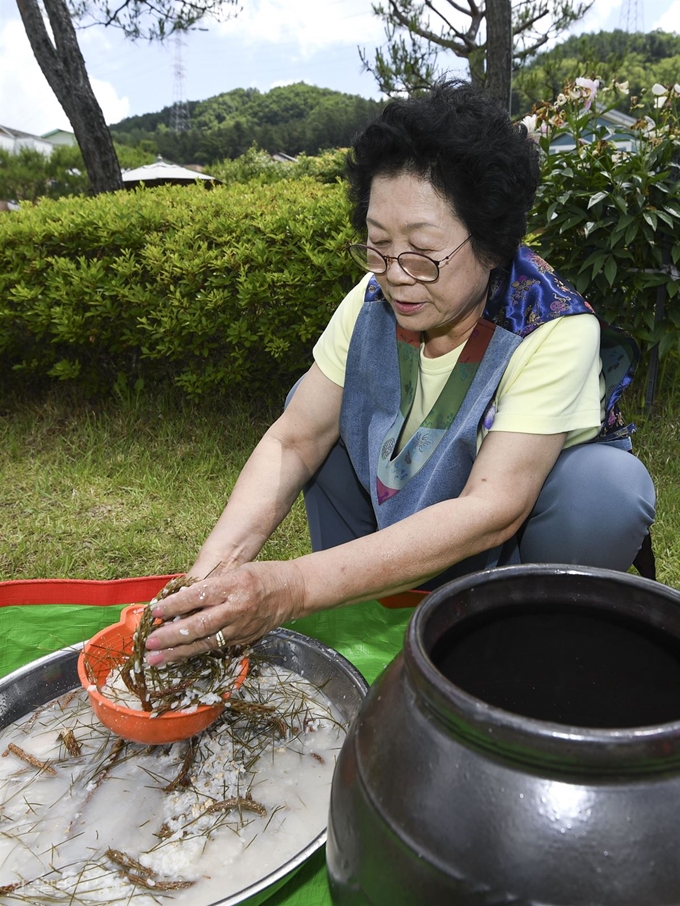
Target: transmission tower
x=631, y=16
x=180, y=120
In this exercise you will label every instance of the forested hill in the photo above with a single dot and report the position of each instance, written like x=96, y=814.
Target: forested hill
x=639, y=58
x=292, y=119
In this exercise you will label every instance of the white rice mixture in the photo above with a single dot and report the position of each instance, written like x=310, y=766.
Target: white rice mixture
x=58, y=827
x=204, y=690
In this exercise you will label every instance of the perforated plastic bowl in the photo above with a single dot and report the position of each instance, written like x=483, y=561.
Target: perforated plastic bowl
x=107, y=650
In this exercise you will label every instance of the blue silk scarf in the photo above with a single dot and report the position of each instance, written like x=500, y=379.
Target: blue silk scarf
x=528, y=293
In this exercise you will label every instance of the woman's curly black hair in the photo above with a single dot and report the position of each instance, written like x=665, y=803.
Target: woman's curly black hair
x=463, y=141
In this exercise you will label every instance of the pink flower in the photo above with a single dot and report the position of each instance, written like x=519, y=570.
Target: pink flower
x=589, y=90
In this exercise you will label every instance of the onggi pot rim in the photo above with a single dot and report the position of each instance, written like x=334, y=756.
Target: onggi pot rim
x=525, y=739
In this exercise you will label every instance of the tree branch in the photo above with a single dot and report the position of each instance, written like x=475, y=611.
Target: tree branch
x=468, y=37
x=529, y=31
x=460, y=49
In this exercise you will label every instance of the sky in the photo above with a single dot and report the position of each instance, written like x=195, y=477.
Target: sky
x=269, y=43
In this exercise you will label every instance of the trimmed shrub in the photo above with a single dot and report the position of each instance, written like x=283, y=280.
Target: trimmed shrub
x=208, y=290
x=30, y=175
x=259, y=166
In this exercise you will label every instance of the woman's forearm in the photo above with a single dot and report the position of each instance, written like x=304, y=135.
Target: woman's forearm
x=401, y=556
x=249, y=601
x=500, y=494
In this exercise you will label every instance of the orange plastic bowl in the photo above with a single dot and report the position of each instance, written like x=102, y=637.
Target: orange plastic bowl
x=109, y=649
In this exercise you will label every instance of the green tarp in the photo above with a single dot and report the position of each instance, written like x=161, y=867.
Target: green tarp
x=367, y=634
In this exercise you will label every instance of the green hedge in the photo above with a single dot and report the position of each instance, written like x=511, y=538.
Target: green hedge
x=208, y=290
x=259, y=166
x=228, y=289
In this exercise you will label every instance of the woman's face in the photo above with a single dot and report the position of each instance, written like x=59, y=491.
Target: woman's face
x=405, y=213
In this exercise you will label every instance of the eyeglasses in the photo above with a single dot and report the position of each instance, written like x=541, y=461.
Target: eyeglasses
x=416, y=265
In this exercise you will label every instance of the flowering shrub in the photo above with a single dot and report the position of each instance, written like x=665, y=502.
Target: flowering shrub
x=609, y=218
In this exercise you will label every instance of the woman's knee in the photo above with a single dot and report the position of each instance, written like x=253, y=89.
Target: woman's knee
x=595, y=508
x=598, y=479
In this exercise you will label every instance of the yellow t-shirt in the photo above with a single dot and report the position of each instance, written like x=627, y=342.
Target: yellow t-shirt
x=552, y=383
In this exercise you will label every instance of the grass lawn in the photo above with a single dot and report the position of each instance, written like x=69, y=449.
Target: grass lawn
x=102, y=491
x=130, y=488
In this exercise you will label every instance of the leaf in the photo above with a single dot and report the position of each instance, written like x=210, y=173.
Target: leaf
x=599, y=196
x=631, y=233
x=595, y=259
x=621, y=204
x=624, y=221
x=610, y=269
x=572, y=221
x=662, y=215
x=666, y=343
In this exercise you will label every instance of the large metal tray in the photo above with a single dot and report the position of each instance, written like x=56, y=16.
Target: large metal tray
x=39, y=682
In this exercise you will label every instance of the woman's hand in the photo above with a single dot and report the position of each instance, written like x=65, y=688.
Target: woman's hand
x=243, y=604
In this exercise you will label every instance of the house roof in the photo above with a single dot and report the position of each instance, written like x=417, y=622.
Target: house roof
x=56, y=132
x=60, y=137
x=16, y=140
x=619, y=128
x=162, y=172
x=17, y=133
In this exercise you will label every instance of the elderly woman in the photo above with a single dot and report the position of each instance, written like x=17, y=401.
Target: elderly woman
x=461, y=409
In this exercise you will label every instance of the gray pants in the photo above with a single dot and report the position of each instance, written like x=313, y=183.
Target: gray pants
x=595, y=509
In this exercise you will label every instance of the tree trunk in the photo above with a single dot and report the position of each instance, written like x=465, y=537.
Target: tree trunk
x=64, y=68
x=499, y=50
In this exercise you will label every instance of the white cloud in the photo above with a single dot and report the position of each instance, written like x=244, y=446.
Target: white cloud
x=309, y=24
x=113, y=107
x=670, y=19
x=27, y=102
x=601, y=16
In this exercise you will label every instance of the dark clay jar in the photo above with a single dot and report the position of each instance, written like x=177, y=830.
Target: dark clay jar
x=524, y=748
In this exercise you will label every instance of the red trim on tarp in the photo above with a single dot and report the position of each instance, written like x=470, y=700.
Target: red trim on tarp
x=112, y=592
x=404, y=599
x=97, y=592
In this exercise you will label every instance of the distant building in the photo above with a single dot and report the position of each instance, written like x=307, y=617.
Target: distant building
x=619, y=128
x=282, y=158
x=60, y=137
x=163, y=172
x=13, y=140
